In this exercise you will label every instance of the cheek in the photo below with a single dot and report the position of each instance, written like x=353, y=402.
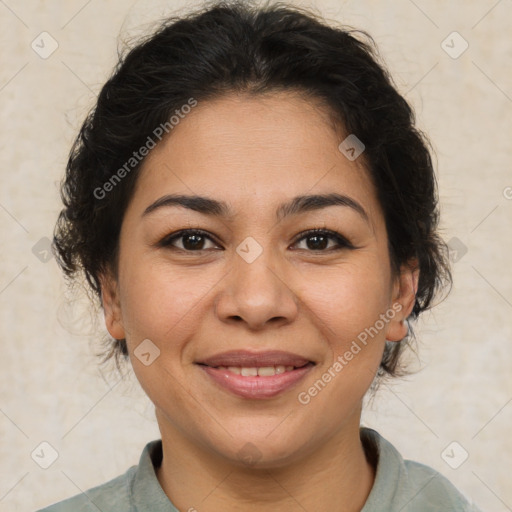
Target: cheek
x=159, y=304
x=347, y=315
x=162, y=306
x=345, y=305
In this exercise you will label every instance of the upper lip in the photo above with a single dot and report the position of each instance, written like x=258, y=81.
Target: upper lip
x=247, y=359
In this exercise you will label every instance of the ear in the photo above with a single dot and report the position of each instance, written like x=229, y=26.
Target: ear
x=111, y=306
x=404, y=297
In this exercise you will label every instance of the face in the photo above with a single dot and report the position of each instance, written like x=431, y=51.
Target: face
x=242, y=281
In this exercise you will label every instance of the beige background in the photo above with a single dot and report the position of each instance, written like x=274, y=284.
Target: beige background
x=51, y=386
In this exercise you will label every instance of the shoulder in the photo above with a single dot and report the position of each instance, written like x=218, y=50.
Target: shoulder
x=407, y=485
x=112, y=496
x=433, y=490
x=137, y=488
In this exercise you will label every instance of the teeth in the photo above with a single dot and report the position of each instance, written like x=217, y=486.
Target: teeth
x=264, y=371
x=249, y=372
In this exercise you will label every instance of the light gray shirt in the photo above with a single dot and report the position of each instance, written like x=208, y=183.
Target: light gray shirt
x=400, y=485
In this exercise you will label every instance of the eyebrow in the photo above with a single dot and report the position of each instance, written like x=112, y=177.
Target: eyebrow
x=297, y=205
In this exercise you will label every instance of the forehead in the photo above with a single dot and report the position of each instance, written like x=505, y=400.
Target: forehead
x=249, y=150
x=245, y=129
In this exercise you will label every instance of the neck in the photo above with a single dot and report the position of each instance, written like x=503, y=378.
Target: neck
x=333, y=476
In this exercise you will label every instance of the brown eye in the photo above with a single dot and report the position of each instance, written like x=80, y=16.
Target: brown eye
x=319, y=240
x=188, y=240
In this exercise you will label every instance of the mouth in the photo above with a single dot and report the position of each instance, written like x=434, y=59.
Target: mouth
x=248, y=359
x=261, y=371
x=256, y=375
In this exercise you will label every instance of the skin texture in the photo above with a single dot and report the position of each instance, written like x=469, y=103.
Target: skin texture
x=254, y=154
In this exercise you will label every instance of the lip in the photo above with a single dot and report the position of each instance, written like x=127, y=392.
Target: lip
x=248, y=359
x=256, y=388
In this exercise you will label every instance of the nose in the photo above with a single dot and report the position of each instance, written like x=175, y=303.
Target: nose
x=256, y=294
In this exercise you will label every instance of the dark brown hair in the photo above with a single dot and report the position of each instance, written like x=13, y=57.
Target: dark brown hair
x=239, y=47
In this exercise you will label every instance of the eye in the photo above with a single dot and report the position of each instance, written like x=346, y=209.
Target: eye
x=318, y=240
x=188, y=240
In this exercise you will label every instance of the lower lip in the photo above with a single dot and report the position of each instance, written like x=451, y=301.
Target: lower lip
x=256, y=387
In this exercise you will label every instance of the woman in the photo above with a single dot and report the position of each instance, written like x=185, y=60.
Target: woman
x=257, y=214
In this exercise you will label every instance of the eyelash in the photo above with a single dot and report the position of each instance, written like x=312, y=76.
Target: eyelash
x=342, y=242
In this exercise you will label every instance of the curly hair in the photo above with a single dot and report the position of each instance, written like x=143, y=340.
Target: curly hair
x=235, y=46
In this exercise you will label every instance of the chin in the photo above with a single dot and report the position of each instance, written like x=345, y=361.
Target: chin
x=263, y=450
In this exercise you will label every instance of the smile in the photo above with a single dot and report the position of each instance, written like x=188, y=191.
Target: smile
x=263, y=371
x=255, y=375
